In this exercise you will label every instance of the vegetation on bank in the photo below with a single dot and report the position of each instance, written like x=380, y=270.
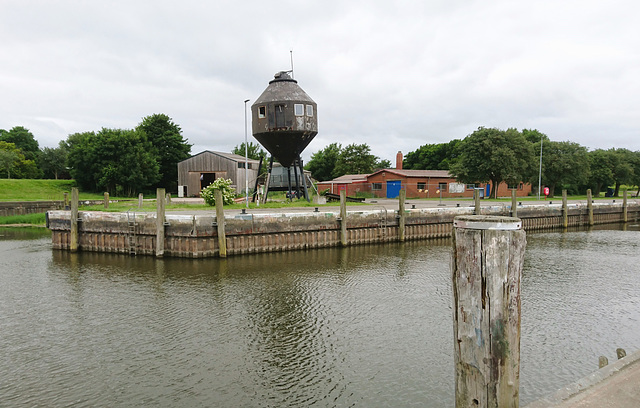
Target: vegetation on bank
x=27, y=219
x=41, y=190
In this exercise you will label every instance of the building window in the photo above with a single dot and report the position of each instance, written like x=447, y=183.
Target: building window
x=422, y=186
x=442, y=186
x=241, y=165
x=376, y=186
x=471, y=186
x=309, y=110
x=262, y=112
x=298, y=109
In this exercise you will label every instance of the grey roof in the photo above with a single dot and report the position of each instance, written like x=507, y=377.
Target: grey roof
x=230, y=156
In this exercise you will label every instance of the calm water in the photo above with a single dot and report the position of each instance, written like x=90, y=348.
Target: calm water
x=366, y=326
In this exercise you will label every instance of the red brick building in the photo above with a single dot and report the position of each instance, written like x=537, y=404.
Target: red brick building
x=417, y=183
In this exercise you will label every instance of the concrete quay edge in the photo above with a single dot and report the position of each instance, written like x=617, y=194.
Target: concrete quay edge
x=599, y=387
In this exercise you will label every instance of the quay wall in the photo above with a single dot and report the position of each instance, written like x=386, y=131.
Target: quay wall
x=11, y=208
x=196, y=236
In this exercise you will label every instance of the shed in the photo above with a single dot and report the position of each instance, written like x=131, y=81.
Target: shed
x=200, y=170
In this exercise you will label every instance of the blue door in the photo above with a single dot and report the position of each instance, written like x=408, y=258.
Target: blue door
x=488, y=193
x=393, y=188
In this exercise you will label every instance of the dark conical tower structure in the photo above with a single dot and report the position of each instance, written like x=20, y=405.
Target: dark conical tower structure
x=284, y=119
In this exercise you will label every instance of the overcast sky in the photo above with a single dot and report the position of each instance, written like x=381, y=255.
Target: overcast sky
x=392, y=74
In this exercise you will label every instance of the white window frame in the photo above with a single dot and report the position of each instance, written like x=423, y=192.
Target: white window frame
x=298, y=109
x=309, y=110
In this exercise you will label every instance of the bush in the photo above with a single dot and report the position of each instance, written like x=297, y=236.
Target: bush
x=228, y=194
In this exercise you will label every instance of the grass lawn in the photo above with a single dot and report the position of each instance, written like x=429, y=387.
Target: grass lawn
x=31, y=219
x=40, y=190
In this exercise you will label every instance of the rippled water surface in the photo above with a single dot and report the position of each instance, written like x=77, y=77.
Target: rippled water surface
x=366, y=326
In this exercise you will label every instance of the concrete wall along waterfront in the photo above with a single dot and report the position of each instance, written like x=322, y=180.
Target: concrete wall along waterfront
x=28, y=207
x=195, y=236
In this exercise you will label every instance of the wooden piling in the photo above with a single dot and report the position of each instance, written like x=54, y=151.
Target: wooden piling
x=66, y=200
x=565, y=210
x=73, y=233
x=401, y=215
x=625, y=218
x=160, y=212
x=476, y=200
x=168, y=198
x=222, y=239
x=343, y=218
x=106, y=200
x=514, y=203
x=487, y=260
x=590, y=207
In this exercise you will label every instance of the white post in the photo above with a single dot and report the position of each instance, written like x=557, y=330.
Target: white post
x=246, y=157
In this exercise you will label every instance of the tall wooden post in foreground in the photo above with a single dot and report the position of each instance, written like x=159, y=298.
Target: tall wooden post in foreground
x=73, y=232
x=488, y=254
x=222, y=238
x=160, y=222
x=402, y=216
x=343, y=218
x=514, y=203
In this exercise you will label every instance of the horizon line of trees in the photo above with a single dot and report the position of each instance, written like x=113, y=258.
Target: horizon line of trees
x=492, y=155
x=127, y=161
x=118, y=161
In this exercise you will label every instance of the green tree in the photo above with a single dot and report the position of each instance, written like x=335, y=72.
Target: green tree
x=622, y=169
x=494, y=155
x=355, y=159
x=323, y=162
x=114, y=160
x=254, y=151
x=534, y=136
x=635, y=163
x=601, y=173
x=382, y=164
x=563, y=163
x=53, y=161
x=23, y=140
x=169, y=147
x=437, y=156
x=14, y=164
x=9, y=157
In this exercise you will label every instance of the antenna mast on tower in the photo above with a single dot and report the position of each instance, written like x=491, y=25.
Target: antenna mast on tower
x=291, y=52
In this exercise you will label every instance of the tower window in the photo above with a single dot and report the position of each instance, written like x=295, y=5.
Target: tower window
x=298, y=109
x=262, y=112
x=309, y=110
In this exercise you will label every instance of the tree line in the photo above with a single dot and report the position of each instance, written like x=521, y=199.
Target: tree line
x=118, y=161
x=492, y=155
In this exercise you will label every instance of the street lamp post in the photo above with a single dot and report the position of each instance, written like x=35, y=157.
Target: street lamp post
x=246, y=157
x=540, y=172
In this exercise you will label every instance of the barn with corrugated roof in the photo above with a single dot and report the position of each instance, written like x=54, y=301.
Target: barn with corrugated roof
x=202, y=169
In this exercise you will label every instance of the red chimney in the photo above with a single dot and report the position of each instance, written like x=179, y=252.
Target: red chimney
x=399, y=161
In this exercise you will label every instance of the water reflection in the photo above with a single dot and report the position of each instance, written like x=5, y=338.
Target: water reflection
x=361, y=326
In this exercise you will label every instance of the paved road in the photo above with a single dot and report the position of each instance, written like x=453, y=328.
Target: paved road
x=392, y=204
